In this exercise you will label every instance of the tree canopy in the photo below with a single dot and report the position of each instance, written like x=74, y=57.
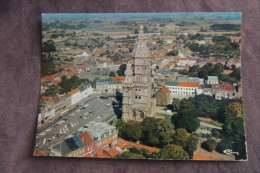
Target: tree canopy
x=48, y=46
x=121, y=70
x=174, y=152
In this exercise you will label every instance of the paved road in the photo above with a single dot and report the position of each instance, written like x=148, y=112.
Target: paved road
x=89, y=112
x=203, y=124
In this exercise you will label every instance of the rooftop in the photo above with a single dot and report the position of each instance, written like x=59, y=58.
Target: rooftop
x=74, y=91
x=172, y=83
x=165, y=90
x=188, y=84
x=107, y=81
x=99, y=129
x=214, y=78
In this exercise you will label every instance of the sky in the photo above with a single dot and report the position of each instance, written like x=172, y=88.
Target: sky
x=214, y=15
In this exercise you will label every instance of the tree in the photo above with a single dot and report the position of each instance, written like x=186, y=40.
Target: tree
x=192, y=144
x=236, y=107
x=176, y=104
x=223, y=145
x=240, y=147
x=206, y=105
x=156, y=132
x=136, y=31
x=211, y=144
x=112, y=74
x=48, y=46
x=187, y=118
x=180, y=137
x=133, y=130
x=121, y=70
x=236, y=73
x=174, y=152
x=146, y=29
x=234, y=127
x=172, y=53
x=47, y=66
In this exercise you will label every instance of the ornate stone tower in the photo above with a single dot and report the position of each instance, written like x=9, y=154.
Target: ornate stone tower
x=138, y=83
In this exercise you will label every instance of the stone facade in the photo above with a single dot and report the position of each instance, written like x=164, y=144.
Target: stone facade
x=138, y=83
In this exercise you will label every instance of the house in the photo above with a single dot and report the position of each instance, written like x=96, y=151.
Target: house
x=218, y=91
x=85, y=90
x=212, y=80
x=187, y=61
x=163, y=96
x=207, y=89
x=108, y=85
x=104, y=135
x=70, y=147
x=90, y=147
x=75, y=96
x=191, y=79
x=160, y=76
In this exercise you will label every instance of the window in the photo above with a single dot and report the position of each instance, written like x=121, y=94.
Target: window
x=139, y=97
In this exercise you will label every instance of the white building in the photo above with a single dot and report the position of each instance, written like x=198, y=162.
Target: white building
x=182, y=89
x=81, y=93
x=187, y=61
x=108, y=85
x=212, y=80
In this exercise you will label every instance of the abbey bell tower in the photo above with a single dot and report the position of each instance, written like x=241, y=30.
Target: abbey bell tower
x=137, y=88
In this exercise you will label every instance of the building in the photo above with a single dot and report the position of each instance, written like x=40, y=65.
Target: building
x=161, y=75
x=75, y=96
x=104, y=135
x=85, y=90
x=108, y=85
x=187, y=61
x=163, y=96
x=138, y=83
x=71, y=147
x=81, y=93
x=182, y=89
x=212, y=80
x=90, y=146
x=191, y=79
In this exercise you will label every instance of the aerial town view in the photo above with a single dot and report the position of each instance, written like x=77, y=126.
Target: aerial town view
x=163, y=86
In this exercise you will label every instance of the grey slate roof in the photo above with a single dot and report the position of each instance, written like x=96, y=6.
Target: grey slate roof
x=106, y=82
x=173, y=83
x=69, y=145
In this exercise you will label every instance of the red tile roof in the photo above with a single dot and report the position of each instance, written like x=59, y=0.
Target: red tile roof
x=204, y=157
x=165, y=89
x=113, y=152
x=37, y=152
x=139, y=146
x=45, y=97
x=88, y=155
x=86, y=138
x=121, y=145
x=74, y=91
x=188, y=84
x=101, y=154
x=51, y=77
x=229, y=87
x=227, y=71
